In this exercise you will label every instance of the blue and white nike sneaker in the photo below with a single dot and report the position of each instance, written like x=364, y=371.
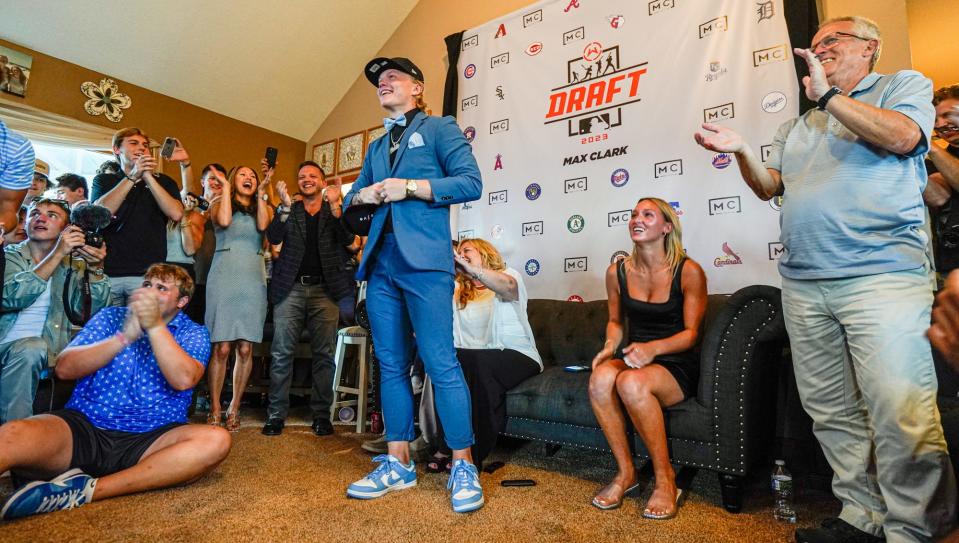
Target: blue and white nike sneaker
x=390, y=475
x=465, y=490
x=71, y=489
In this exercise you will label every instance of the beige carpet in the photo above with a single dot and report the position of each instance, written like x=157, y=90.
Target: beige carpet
x=291, y=488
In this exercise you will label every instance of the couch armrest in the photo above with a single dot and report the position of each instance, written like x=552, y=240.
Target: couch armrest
x=740, y=358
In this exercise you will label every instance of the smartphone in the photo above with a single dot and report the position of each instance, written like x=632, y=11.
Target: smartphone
x=517, y=482
x=575, y=369
x=169, y=145
x=271, y=156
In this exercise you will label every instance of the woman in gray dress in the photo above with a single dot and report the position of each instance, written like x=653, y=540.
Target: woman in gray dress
x=236, y=286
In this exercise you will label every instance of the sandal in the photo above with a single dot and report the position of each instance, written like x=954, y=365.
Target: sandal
x=664, y=516
x=214, y=419
x=232, y=422
x=598, y=502
x=439, y=464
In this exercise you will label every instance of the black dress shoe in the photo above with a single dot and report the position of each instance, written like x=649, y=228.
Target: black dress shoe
x=322, y=427
x=835, y=530
x=273, y=427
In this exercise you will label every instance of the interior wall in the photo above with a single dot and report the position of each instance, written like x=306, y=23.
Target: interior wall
x=54, y=86
x=891, y=17
x=419, y=38
x=933, y=27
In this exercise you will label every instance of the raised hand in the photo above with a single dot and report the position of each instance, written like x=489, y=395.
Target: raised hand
x=718, y=138
x=284, y=194
x=179, y=153
x=266, y=170
x=146, y=306
x=131, y=325
x=334, y=191
x=815, y=83
x=71, y=238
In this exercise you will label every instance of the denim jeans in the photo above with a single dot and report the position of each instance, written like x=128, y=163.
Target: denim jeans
x=865, y=375
x=309, y=305
x=121, y=288
x=402, y=301
x=21, y=362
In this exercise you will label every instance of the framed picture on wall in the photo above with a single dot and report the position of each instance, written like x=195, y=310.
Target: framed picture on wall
x=14, y=71
x=349, y=156
x=373, y=133
x=324, y=154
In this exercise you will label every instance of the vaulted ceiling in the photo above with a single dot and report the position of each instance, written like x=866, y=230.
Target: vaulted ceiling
x=281, y=65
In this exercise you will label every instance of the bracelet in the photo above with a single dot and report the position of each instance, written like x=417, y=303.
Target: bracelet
x=123, y=339
x=132, y=180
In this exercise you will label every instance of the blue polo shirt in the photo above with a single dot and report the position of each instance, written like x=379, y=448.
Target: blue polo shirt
x=16, y=160
x=130, y=394
x=851, y=208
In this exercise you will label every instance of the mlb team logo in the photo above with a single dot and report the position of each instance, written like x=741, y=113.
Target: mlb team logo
x=496, y=232
x=776, y=202
x=721, y=161
x=532, y=267
x=575, y=298
x=617, y=256
x=575, y=224
x=469, y=133
x=533, y=191
x=619, y=178
x=470, y=71
x=534, y=48
x=679, y=210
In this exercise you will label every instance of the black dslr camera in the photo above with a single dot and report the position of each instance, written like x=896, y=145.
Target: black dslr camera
x=91, y=218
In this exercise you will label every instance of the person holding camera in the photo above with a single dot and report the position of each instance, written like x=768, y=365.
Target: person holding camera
x=236, y=293
x=142, y=201
x=34, y=325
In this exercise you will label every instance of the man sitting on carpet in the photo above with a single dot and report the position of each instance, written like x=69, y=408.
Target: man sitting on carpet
x=124, y=429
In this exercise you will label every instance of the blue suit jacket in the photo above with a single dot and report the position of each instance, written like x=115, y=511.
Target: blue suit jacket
x=422, y=228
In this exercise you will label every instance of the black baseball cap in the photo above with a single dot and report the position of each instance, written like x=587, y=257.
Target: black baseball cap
x=359, y=217
x=378, y=65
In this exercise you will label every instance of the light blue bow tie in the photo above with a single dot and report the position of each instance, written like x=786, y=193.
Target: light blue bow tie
x=389, y=122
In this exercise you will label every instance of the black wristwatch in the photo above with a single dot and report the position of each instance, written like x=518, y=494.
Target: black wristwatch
x=824, y=99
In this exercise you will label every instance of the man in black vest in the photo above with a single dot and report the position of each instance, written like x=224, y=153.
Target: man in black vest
x=309, y=278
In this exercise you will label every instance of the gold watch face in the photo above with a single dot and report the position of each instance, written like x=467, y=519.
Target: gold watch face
x=410, y=186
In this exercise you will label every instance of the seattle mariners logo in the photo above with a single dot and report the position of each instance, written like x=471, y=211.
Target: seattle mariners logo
x=470, y=71
x=532, y=267
x=469, y=133
x=619, y=178
x=533, y=191
x=575, y=224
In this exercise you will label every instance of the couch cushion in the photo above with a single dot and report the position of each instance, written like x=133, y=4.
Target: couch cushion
x=567, y=333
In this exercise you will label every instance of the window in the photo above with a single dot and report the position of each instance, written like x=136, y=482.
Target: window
x=70, y=160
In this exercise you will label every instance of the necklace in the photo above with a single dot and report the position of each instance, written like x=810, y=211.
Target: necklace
x=395, y=144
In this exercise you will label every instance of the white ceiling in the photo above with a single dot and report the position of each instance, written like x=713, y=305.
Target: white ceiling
x=281, y=65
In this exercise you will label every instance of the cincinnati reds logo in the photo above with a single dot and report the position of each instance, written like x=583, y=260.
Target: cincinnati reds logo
x=534, y=48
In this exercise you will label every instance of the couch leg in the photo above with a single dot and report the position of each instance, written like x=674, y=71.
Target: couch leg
x=732, y=489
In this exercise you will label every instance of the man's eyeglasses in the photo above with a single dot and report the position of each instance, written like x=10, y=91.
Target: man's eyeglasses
x=833, y=39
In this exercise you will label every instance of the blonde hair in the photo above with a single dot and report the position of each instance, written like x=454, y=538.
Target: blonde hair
x=491, y=260
x=172, y=272
x=420, y=100
x=673, y=240
x=864, y=28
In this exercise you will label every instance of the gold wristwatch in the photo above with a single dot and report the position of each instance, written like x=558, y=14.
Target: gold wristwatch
x=411, y=187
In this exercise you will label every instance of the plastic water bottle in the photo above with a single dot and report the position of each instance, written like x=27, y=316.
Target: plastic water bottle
x=782, y=486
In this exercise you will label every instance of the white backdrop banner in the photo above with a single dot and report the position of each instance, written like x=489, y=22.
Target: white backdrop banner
x=577, y=108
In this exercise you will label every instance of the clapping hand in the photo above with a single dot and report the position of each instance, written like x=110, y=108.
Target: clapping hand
x=284, y=194
x=719, y=139
x=146, y=306
x=816, y=83
x=334, y=191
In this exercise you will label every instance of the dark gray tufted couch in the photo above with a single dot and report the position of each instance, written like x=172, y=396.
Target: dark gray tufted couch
x=725, y=428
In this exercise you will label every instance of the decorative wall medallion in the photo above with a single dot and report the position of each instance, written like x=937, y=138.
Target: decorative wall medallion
x=105, y=99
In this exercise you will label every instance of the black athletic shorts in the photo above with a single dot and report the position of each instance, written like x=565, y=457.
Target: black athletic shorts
x=102, y=452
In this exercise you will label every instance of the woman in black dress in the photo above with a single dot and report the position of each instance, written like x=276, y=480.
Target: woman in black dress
x=660, y=294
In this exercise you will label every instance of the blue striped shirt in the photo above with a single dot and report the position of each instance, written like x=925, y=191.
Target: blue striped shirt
x=851, y=208
x=16, y=160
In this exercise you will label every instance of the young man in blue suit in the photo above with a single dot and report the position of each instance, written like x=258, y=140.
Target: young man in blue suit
x=413, y=174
